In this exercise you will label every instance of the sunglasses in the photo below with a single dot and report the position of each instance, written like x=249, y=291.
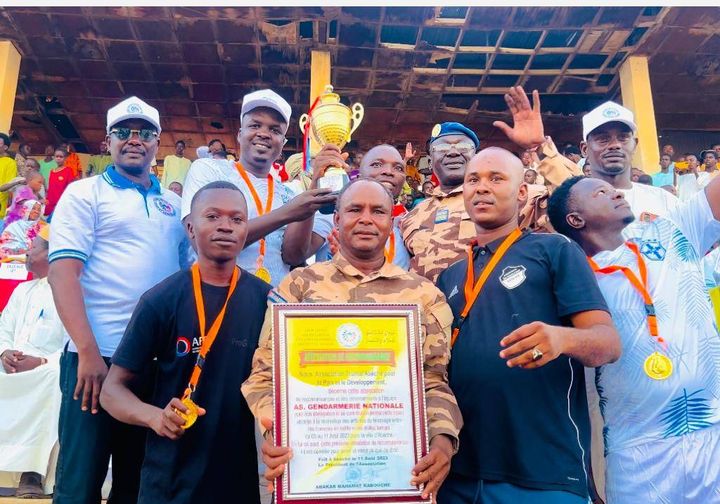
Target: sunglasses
x=145, y=135
x=461, y=148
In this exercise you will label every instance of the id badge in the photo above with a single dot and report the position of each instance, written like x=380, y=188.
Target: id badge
x=442, y=215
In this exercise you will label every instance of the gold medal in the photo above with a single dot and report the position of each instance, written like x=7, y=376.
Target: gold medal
x=191, y=415
x=263, y=274
x=658, y=366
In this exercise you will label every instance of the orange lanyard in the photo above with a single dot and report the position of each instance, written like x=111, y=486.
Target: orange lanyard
x=209, y=338
x=258, y=203
x=472, y=288
x=390, y=251
x=640, y=285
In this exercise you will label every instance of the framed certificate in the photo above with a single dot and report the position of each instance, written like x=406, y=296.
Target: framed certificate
x=349, y=401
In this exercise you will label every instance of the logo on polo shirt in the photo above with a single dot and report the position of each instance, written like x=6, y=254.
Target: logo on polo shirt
x=134, y=108
x=512, y=276
x=653, y=250
x=184, y=346
x=165, y=207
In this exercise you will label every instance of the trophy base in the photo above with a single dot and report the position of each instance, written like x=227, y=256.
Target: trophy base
x=333, y=181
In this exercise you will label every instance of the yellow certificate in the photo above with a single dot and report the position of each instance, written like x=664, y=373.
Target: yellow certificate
x=349, y=396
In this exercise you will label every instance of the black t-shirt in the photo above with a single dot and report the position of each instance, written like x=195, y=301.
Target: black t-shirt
x=215, y=458
x=525, y=427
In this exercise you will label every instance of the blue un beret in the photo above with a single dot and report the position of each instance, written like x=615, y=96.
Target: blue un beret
x=453, y=128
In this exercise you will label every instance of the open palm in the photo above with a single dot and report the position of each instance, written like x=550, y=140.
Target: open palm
x=527, y=130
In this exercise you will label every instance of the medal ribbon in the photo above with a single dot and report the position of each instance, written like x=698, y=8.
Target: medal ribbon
x=472, y=288
x=258, y=204
x=390, y=251
x=640, y=285
x=209, y=338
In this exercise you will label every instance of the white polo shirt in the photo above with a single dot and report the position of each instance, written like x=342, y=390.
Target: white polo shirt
x=129, y=239
x=205, y=171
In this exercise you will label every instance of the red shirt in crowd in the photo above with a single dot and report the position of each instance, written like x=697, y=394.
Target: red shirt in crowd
x=57, y=182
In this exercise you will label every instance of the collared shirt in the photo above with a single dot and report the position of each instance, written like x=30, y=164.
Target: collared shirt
x=175, y=169
x=637, y=409
x=204, y=171
x=128, y=237
x=436, y=232
x=524, y=427
x=337, y=281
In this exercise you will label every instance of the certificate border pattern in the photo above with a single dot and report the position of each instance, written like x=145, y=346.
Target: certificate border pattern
x=280, y=313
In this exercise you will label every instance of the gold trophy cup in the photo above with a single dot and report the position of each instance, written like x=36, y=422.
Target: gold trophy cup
x=333, y=123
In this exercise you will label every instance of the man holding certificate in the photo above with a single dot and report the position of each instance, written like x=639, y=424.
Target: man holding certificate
x=360, y=273
x=528, y=317
x=200, y=326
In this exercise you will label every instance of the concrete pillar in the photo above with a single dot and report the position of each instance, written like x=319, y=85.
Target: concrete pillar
x=637, y=96
x=320, y=67
x=9, y=73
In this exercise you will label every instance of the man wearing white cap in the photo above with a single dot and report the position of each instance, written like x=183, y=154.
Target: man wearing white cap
x=113, y=237
x=281, y=224
x=609, y=132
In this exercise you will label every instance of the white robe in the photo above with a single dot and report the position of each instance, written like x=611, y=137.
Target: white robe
x=30, y=401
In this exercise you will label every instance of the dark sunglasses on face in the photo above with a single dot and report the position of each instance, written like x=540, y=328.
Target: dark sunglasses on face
x=145, y=134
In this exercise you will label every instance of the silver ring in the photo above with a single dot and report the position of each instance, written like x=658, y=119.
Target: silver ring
x=536, y=354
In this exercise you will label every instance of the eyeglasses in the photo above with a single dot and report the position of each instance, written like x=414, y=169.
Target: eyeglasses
x=463, y=148
x=145, y=134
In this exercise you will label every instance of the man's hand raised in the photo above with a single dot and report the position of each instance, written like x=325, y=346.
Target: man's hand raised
x=527, y=130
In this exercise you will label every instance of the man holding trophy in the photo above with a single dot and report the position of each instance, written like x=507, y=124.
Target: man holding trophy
x=361, y=273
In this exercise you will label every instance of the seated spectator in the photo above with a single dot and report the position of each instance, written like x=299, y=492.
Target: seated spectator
x=17, y=236
x=572, y=153
x=636, y=174
x=645, y=179
x=428, y=187
x=530, y=176
x=8, y=172
x=31, y=338
x=48, y=162
x=60, y=178
x=666, y=175
x=23, y=154
x=687, y=176
x=72, y=160
x=33, y=189
x=176, y=187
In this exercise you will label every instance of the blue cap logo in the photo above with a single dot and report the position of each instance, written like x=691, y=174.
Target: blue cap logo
x=611, y=113
x=134, y=108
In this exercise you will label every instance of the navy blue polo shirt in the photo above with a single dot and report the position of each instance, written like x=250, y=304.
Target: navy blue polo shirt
x=524, y=427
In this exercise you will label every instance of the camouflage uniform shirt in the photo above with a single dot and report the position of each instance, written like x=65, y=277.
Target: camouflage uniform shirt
x=337, y=281
x=437, y=232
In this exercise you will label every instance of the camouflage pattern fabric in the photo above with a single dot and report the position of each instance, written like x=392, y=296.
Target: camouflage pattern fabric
x=438, y=230
x=337, y=281
x=437, y=233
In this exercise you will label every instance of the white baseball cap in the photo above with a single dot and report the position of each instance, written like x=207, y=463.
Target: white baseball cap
x=606, y=113
x=133, y=108
x=266, y=98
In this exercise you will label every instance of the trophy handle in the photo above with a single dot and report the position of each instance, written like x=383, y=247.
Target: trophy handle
x=302, y=122
x=358, y=112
